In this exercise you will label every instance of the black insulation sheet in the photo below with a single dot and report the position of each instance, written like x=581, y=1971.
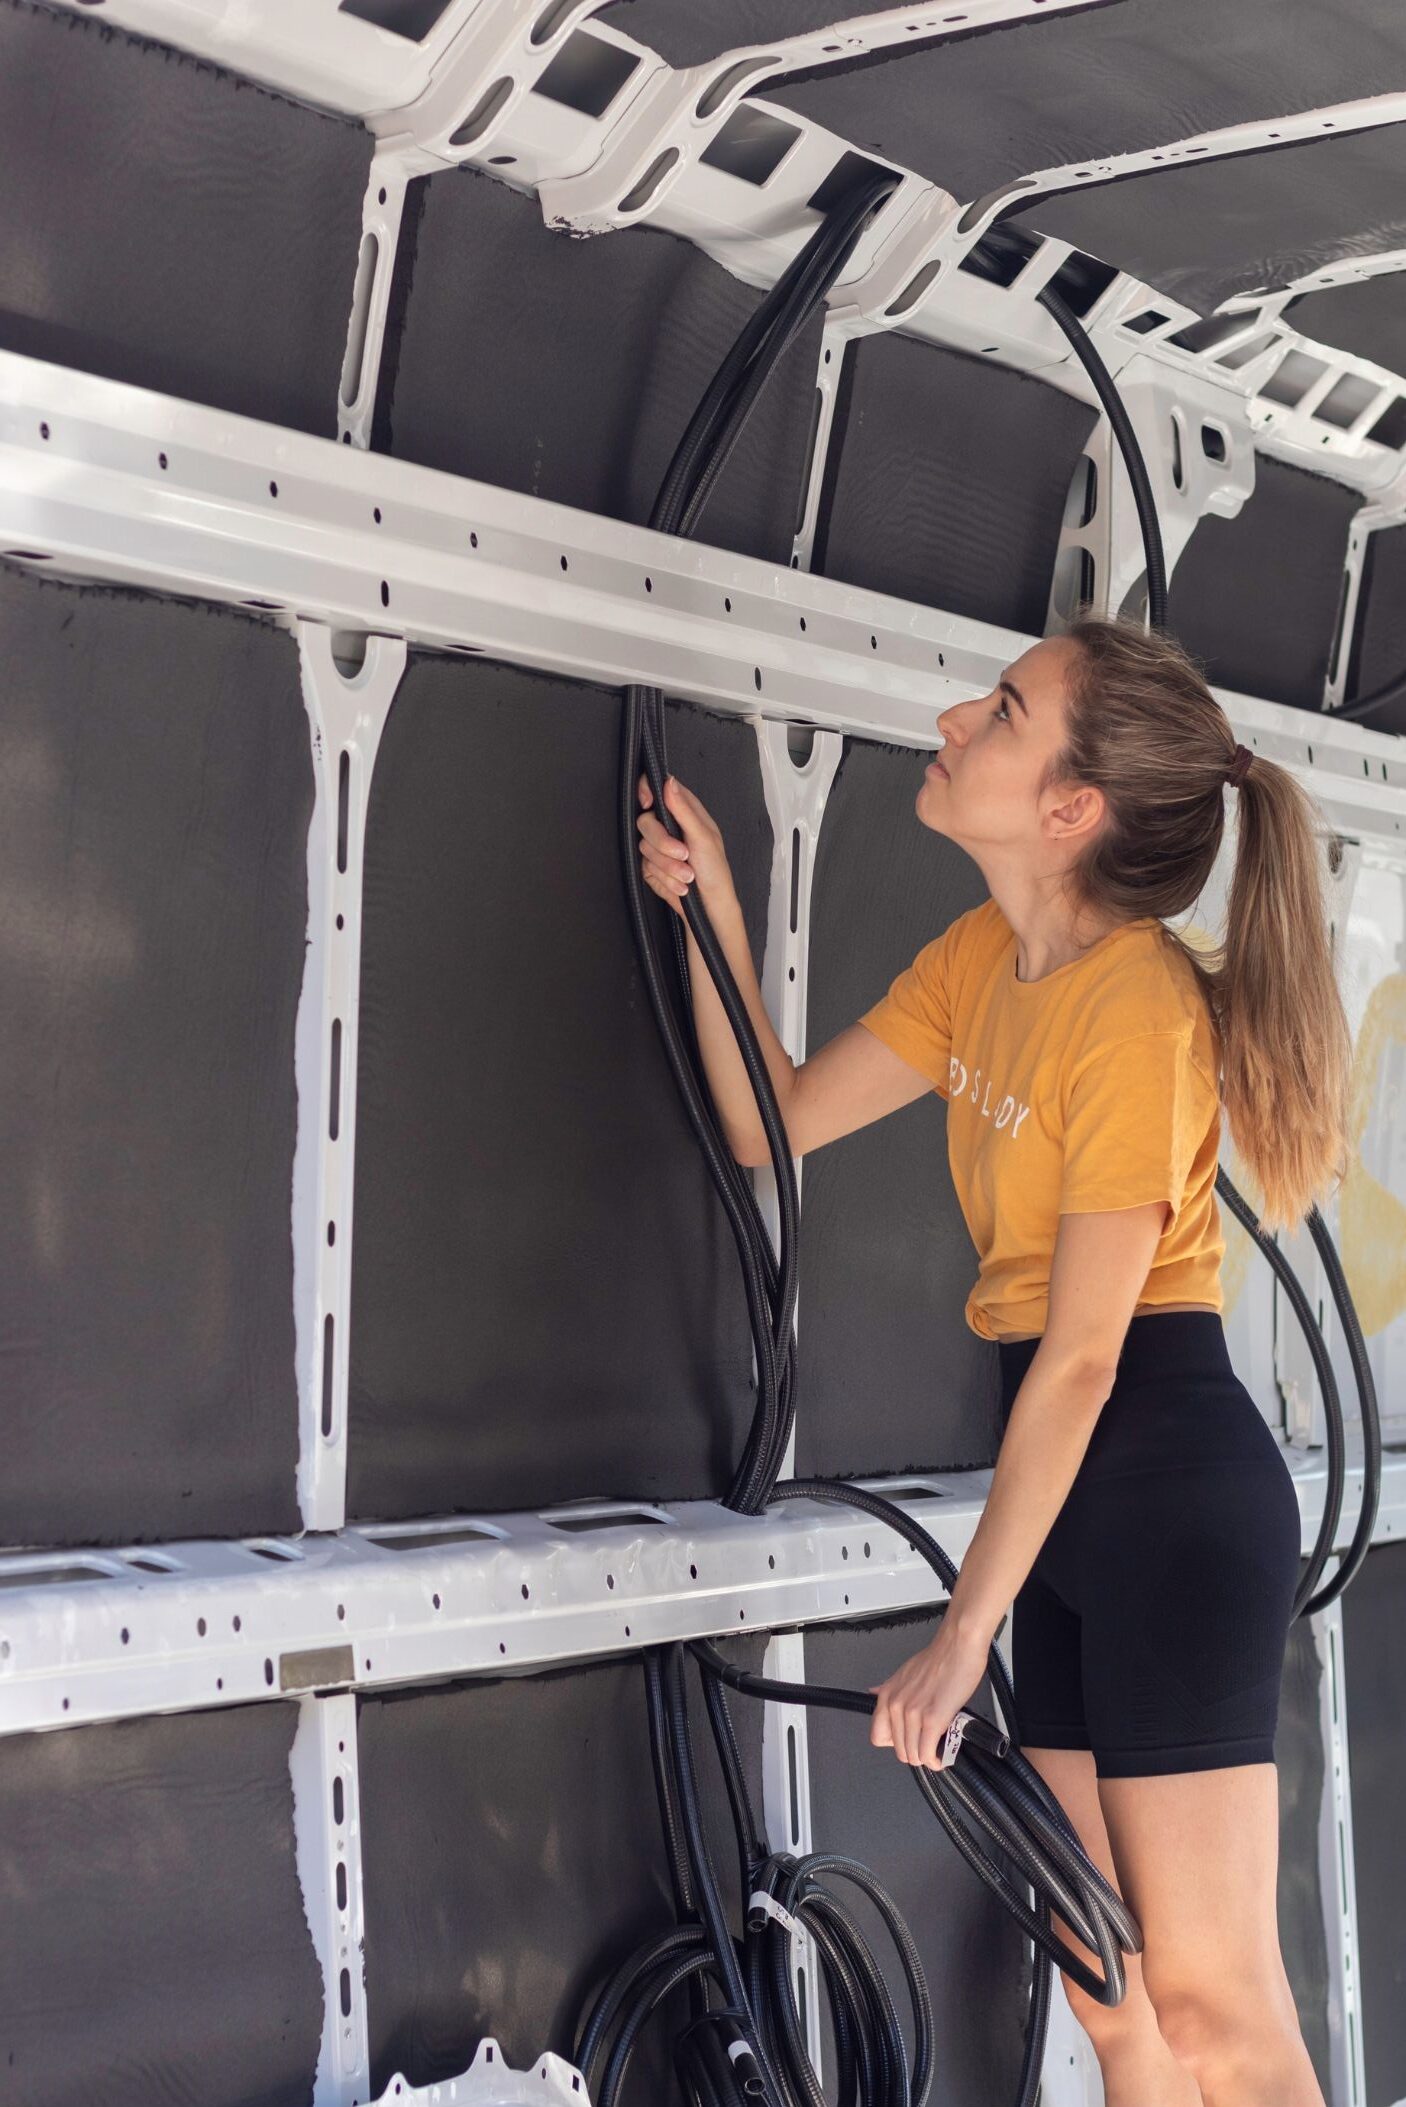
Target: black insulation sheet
x=404, y=18
x=1379, y=648
x=1256, y=598
x=946, y=480
x=1252, y=222
x=1367, y=317
x=513, y=1859
x=891, y=1376
x=569, y=369
x=975, y=111
x=170, y=225
x=865, y=1803
x=546, y=1296
x=1303, y=1929
x=155, y=794
x=153, y=1941
x=1374, y=1648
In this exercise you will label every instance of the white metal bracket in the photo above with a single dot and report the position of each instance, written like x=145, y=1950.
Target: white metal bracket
x=381, y=214
x=347, y=714
x=493, y=61
x=1337, y=1878
x=327, y=1832
x=489, y=2082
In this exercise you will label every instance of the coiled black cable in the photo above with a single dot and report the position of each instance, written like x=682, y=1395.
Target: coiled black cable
x=1306, y=1603
x=1032, y=1828
x=751, y=2046
x=988, y=1789
x=770, y=1278
x=1001, y=1795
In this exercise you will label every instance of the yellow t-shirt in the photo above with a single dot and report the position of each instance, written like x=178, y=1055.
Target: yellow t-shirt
x=1093, y=1087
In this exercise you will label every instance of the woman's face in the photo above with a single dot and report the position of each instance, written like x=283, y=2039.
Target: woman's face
x=983, y=789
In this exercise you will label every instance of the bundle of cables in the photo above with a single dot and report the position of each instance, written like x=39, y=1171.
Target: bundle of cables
x=752, y=2047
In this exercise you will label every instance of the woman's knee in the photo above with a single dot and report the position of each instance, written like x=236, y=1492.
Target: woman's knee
x=1201, y=2016
x=1202, y=2012
x=1191, y=2018
x=1107, y=2024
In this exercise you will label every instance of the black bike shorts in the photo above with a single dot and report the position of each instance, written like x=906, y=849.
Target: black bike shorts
x=1153, y=1624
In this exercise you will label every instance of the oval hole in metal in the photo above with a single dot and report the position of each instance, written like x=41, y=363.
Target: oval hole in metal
x=483, y=113
x=361, y=309
x=717, y=91
x=649, y=182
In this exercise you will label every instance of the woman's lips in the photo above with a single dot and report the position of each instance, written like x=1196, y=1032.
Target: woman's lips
x=936, y=768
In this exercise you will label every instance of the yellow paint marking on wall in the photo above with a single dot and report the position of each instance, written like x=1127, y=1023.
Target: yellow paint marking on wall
x=1373, y=1219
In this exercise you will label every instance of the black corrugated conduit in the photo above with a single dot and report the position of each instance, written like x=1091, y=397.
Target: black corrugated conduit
x=1363, y=707
x=753, y=2048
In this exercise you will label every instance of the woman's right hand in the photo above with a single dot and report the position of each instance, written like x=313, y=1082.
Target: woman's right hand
x=670, y=867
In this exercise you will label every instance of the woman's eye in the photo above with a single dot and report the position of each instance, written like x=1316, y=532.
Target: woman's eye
x=1004, y=705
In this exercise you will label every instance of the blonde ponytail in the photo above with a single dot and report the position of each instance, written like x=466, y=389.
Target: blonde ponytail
x=1144, y=727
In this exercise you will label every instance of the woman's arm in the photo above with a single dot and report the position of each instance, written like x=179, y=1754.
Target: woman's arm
x=852, y=1080
x=1050, y=1425
x=1100, y=1267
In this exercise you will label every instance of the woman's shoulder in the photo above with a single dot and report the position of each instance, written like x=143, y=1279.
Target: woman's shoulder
x=978, y=930
x=1147, y=985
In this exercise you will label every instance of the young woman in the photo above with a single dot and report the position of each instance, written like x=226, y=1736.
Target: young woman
x=1141, y=1518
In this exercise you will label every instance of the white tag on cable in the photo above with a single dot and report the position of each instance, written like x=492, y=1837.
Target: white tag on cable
x=952, y=1741
x=773, y=1908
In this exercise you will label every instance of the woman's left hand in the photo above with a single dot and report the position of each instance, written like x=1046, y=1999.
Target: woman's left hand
x=918, y=1703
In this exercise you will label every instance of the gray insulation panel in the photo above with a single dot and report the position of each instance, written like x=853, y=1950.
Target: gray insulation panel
x=1256, y=598
x=947, y=479
x=514, y=1858
x=1374, y=1649
x=864, y=1802
x=546, y=1296
x=569, y=369
x=155, y=794
x=1301, y=1904
x=1379, y=648
x=891, y=1376
x=1255, y=221
x=1367, y=318
x=170, y=225
x=972, y=112
x=153, y=1944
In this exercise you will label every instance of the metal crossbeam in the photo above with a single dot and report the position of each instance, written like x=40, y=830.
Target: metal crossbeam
x=92, y=1635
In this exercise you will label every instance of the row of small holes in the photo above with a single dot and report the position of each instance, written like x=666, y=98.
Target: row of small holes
x=435, y=1599
x=339, y=1816
x=329, y=1333
x=473, y=543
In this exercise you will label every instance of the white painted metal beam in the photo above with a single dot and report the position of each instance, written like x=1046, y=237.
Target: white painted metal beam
x=90, y=1635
